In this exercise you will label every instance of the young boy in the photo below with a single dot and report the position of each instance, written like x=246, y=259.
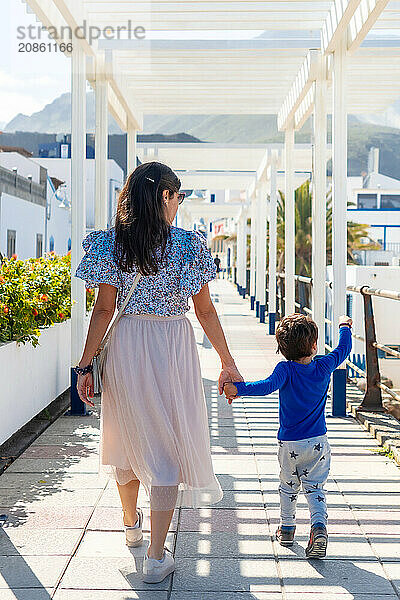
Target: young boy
x=304, y=453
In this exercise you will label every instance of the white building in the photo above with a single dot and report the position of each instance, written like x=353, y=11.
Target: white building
x=61, y=168
x=35, y=202
x=376, y=202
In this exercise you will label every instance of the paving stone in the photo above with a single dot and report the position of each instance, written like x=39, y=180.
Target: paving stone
x=108, y=573
x=26, y=594
x=393, y=571
x=87, y=464
x=112, y=543
x=106, y=518
x=254, y=595
x=46, y=517
x=225, y=575
x=61, y=450
x=49, y=496
x=239, y=482
x=21, y=541
x=212, y=520
x=244, y=499
x=39, y=481
x=222, y=545
x=382, y=522
x=108, y=595
x=339, y=547
x=30, y=571
x=339, y=521
x=338, y=596
x=234, y=466
x=387, y=547
x=334, y=577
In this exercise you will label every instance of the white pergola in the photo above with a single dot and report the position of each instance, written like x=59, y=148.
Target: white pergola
x=312, y=58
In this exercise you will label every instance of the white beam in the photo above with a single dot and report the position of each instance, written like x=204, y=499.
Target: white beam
x=318, y=218
x=335, y=26
x=131, y=149
x=299, y=89
x=101, y=149
x=272, y=245
x=339, y=188
x=253, y=243
x=78, y=210
x=364, y=18
x=289, y=223
x=261, y=248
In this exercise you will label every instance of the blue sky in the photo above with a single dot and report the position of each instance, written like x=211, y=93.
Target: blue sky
x=28, y=81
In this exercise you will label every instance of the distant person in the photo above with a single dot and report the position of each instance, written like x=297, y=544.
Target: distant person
x=217, y=262
x=304, y=453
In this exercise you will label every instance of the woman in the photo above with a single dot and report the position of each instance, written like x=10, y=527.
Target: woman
x=154, y=426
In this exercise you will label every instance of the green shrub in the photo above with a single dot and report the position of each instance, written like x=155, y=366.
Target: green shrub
x=35, y=293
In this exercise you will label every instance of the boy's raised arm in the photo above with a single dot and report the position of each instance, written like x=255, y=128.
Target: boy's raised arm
x=332, y=360
x=265, y=386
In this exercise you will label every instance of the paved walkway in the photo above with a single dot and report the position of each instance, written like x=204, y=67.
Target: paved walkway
x=64, y=537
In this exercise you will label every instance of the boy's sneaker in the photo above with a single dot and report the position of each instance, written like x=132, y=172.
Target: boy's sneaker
x=285, y=535
x=318, y=541
x=134, y=534
x=155, y=571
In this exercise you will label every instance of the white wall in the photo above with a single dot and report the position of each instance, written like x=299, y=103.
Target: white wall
x=26, y=166
x=31, y=378
x=26, y=218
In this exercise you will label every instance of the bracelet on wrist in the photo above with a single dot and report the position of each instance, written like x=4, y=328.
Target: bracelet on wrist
x=83, y=370
x=345, y=325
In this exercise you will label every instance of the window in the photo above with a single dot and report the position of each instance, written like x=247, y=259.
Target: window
x=11, y=242
x=51, y=244
x=212, y=197
x=39, y=245
x=367, y=201
x=390, y=201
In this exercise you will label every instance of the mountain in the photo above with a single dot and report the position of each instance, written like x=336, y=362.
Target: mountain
x=364, y=131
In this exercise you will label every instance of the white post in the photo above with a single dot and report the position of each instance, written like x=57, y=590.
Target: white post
x=261, y=251
x=253, y=243
x=241, y=251
x=319, y=206
x=131, y=149
x=272, y=246
x=78, y=215
x=101, y=153
x=339, y=214
x=289, y=222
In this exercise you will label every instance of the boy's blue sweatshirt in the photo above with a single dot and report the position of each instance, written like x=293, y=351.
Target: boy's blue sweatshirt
x=302, y=391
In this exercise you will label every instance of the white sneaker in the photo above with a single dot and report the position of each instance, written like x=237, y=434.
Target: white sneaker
x=134, y=534
x=155, y=571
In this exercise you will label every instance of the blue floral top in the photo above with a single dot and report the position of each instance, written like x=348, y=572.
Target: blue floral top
x=187, y=266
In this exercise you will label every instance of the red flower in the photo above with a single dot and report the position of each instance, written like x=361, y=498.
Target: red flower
x=60, y=315
x=44, y=298
x=69, y=252
x=35, y=312
x=2, y=280
x=6, y=310
x=14, y=256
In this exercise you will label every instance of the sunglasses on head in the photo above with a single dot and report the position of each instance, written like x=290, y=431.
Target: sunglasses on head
x=181, y=197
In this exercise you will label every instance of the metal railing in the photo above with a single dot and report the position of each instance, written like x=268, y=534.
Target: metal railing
x=372, y=400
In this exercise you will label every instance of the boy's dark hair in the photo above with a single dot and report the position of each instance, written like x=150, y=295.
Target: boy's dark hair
x=296, y=335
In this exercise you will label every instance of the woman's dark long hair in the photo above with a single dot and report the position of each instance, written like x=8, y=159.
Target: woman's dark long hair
x=141, y=226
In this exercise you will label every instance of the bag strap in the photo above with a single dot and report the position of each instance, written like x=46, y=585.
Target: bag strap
x=119, y=314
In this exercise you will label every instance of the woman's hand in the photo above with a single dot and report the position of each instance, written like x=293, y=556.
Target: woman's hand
x=228, y=373
x=230, y=390
x=85, y=388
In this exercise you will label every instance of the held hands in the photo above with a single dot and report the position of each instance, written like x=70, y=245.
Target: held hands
x=230, y=391
x=345, y=320
x=84, y=387
x=228, y=374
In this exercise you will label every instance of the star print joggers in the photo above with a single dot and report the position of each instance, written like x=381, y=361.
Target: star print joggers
x=304, y=464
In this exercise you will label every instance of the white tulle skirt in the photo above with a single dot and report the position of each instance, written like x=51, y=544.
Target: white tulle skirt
x=153, y=424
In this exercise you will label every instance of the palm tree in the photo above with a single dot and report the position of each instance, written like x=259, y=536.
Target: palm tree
x=356, y=233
